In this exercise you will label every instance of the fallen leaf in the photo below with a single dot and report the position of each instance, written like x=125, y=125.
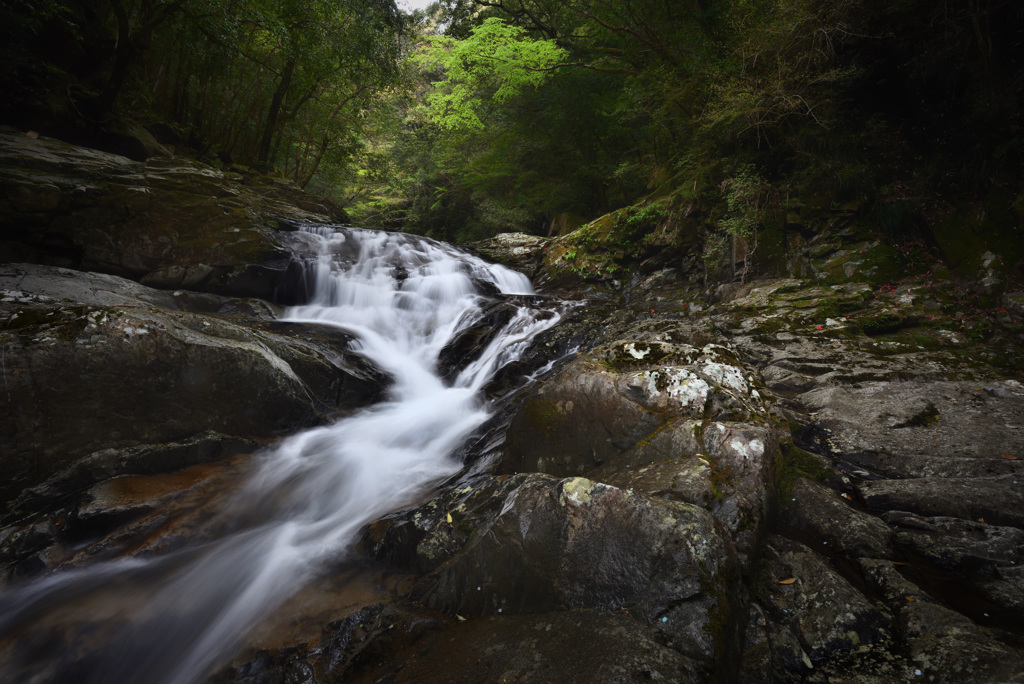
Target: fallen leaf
x=461, y=619
x=1009, y=457
x=910, y=598
x=449, y=518
x=788, y=580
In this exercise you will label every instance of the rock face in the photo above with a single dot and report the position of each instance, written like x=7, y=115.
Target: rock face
x=658, y=417
x=169, y=222
x=95, y=362
x=520, y=251
x=535, y=544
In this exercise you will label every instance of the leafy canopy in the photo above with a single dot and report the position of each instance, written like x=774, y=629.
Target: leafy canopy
x=496, y=59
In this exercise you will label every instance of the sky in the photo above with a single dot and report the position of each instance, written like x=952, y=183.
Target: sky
x=410, y=5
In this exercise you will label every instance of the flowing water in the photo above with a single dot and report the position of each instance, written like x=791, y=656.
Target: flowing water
x=173, y=618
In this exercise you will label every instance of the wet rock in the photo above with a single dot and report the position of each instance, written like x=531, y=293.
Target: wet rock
x=533, y=543
x=468, y=346
x=173, y=222
x=519, y=251
x=577, y=645
x=814, y=511
x=823, y=610
x=938, y=642
x=148, y=373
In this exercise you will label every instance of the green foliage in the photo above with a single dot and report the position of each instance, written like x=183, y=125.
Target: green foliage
x=496, y=59
x=746, y=195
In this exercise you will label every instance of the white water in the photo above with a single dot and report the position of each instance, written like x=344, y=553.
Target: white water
x=403, y=299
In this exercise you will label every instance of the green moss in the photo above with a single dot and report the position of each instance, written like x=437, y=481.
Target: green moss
x=882, y=322
x=795, y=463
x=721, y=477
x=927, y=416
x=544, y=416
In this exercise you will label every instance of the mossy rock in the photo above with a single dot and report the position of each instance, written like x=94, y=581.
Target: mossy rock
x=874, y=263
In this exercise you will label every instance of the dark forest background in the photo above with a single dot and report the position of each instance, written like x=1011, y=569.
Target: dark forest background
x=484, y=116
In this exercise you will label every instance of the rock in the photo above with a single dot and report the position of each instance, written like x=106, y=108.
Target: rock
x=814, y=509
x=958, y=545
x=570, y=646
x=996, y=500
x=139, y=460
x=826, y=613
x=941, y=644
x=607, y=401
x=923, y=429
x=755, y=667
x=148, y=373
x=662, y=418
x=171, y=221
x=533, y=543
x=519, y=251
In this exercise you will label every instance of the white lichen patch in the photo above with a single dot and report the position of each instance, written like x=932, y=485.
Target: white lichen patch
x=630, y=348
x=22, y=297
x=673, y=387
x=725, y=375
x=748, y=451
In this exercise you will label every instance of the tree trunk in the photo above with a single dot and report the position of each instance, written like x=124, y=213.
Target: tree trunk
x=270, y=127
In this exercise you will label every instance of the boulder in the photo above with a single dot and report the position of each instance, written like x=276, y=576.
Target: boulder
x=93, y=362
x=812, y=511
x=534, y=544
x=519, y=251
x=658, y=417
x=801, y=593
x=169, y=221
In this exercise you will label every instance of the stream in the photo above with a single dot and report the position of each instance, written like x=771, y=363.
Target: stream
x=175, y=618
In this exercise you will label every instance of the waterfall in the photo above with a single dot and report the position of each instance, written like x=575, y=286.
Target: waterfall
x=402, y=299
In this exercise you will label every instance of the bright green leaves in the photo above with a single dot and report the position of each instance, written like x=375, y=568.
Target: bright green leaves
x=497, y=62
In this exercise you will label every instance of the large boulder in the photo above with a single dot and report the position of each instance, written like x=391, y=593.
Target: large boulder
x=536, y=544
x=657, y=417
x=520, y=251
x=93, y=362
x=169, y=221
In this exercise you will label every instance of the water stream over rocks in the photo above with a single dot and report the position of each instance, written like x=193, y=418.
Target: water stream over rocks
x=175, y=617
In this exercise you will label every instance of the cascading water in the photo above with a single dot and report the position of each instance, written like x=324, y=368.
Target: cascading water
x=403, y=299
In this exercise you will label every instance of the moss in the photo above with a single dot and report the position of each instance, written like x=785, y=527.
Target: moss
x=927, y=416
x=794, y=464
x=544, y=416
x=721, y=477
x=768, y=326
x=829, y=307
x=882, y=322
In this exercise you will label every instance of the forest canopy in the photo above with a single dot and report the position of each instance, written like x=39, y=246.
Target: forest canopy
x=480, y=116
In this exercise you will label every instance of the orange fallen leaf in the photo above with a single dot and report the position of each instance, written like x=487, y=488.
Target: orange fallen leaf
x=788, y=580
x=1009, y=457
x=910, y=598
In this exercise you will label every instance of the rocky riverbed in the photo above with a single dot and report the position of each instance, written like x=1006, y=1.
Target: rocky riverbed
x=791, y=479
